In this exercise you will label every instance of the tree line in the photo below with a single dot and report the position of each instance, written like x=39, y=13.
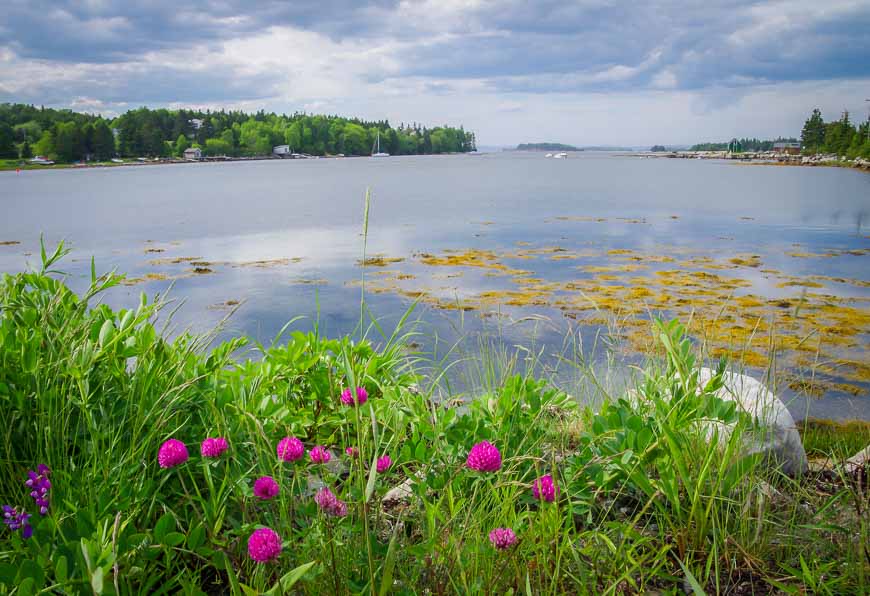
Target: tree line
x=839, y=137
x=744, y=144
x=67, y=136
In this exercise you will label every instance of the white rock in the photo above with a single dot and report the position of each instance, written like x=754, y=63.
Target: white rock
x=859, y=460
x=777, y=437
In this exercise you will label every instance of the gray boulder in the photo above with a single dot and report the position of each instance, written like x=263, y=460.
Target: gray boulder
x=777, y=436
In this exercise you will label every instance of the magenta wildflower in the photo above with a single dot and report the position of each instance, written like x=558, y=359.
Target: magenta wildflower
x=502, y=538
x=172, y=453
x=329, y=503
x=264, y=545
x=351, y=451
x=384, y=464
x=266, y=488
x=17, y=520
x=290, y=449
x=213, y=447
x=347, y=396
x=544, y=489
x=484, y=457
x=39, y=484
x=320, y=455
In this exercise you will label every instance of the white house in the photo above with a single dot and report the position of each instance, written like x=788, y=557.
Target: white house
x=193, y=153
x=281, y=150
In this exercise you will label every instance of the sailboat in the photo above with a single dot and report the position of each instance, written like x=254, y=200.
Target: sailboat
x=377, y=144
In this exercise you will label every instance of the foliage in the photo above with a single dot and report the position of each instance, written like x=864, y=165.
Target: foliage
x=839, y=137
x=743, y=144
x=646, y=498
x=68, y=136
x=546, y=147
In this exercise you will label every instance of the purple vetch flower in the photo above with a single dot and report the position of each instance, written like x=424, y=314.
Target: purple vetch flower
x=484, y=457
x=384, y=464
x=502, y=538
x=17, y=520
x=349, y=399
x=39, y=485
x=351, y=451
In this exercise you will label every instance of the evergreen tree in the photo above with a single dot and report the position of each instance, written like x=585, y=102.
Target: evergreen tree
x=813, y=133
x=7, y=142
x=26, y=151
x=103, y=141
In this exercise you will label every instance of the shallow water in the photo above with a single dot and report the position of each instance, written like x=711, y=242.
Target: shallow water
x=592, y=239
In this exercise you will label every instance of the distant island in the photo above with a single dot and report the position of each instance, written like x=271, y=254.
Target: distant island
x=546, y=147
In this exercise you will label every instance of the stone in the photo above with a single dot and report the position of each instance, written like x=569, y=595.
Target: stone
x=777, y=437
x=858, y=461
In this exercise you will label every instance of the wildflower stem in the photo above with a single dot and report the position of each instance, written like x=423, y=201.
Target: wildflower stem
x=361, y=481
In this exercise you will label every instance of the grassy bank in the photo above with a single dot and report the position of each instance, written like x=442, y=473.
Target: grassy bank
x=520, y=490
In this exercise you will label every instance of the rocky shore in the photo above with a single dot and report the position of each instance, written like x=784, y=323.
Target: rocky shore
x=766, y=157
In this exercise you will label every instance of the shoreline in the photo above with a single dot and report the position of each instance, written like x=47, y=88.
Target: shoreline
x=166, y=161
x=766, y=158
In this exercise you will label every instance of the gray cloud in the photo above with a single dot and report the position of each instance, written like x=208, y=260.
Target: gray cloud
x=344, y=53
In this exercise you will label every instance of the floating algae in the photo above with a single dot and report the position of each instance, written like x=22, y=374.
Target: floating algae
x=725, y=312
x=378, y=261
x=746, y=261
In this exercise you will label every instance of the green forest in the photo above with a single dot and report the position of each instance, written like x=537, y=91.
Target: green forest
x=839, y=137
x=744, y=144
x=67, y=136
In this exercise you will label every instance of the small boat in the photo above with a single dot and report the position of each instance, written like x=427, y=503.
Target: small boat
x=116, y=160
x=549, y=155
x=377, y=144
x=562, y=155
x=41, y=161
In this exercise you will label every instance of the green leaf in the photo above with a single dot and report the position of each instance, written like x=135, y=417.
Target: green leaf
x=106, y=332
x=30, y=569
x=289, y=579
x=173, y=539
x=389, y=564
x=196, y=537
x=60, y=570
x=97, y=580
x=696, y=587
x=165, y=525
x=25, y=587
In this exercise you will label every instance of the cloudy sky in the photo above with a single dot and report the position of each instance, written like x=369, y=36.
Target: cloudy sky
x=575, y=71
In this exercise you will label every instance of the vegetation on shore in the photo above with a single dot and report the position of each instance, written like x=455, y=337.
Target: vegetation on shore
x=837, y=137
x=744, y=144
x=179, y=468
x=67, y=136
x=546, y=147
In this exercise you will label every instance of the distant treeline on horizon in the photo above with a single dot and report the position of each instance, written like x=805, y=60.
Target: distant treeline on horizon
x=68, y=136
x=839, y=137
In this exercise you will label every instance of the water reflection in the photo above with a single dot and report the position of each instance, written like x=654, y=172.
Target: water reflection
x=284, y=239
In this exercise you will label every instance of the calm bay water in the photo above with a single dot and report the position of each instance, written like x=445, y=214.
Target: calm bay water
x=512, y=233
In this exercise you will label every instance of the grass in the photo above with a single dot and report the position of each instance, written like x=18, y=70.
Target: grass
x=645, y=502
x=822, y=438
